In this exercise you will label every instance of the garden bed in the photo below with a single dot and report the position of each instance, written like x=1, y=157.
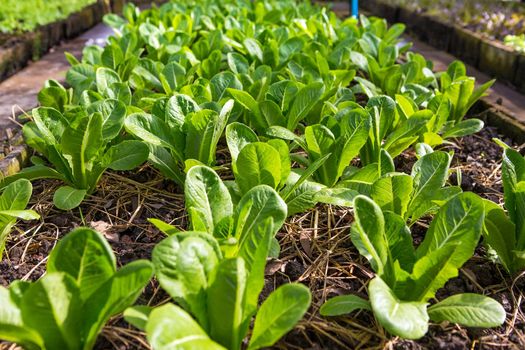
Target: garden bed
x=316, y=251
x=489, y=56
x=121, y=111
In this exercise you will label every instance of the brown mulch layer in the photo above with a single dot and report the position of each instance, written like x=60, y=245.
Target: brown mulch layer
x=316, y=251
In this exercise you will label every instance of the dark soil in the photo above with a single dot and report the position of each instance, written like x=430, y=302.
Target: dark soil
x=316, y=251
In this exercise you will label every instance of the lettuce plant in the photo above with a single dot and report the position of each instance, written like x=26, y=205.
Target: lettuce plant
x=179, y=134
x=410, y=196
x=340, y=138
x=269, y=163
x=386, y=76
x=287, y=104
x=80, y=142
x=211, y=208
x=449, y=105
x=407, y=278
x=13, y=203
x=461, y=91
x=393, y=129
x=192, y=268
x=236, y=226
x=505, y=232
x=418, y=194
x=225, y=254
x=82, y=289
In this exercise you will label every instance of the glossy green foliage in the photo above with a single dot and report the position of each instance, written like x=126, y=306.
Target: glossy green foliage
x=82, y=289
x=80, y=143
x=270, y=163
x=504, y=231
x=225, y=255
x=311, y=109
x=411, y=197
x=177, y=75
x=340, y=140
x=418, y=194
x=212, y=210
x=13, y=203
x=462, y=93
x=179, y=133
x=407, y=278
x=198, y=273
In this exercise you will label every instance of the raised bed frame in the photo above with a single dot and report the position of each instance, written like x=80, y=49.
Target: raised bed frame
x=489, y=56
x=19, y=49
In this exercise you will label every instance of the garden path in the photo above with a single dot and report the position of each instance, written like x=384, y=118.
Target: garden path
x=19, y=92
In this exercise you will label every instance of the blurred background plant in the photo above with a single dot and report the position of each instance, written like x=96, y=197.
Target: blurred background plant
x=516, y=41
x=26, y=15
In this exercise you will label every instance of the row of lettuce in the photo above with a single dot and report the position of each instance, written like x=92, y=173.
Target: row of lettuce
x=312, y=110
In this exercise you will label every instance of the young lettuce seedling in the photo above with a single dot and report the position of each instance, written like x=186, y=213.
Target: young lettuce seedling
x=440, y=126
x=462, y=93
x=286, y=109
x=410, y=196
x=82, y=289
x=418, y=194
x=385, y=76
x=269, y=163
x=224, y=255
x=340, y=138
x=211, y=209
x=193, y=269
x=80, y=144
x=13, y=203
x=505, y=232
x=376, y=133
x=179, y=134
x=392, y=131
x=456, y=95
x=407, y=278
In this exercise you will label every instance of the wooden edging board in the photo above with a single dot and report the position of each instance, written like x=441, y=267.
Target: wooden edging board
x=491, y=57
x=19, y=49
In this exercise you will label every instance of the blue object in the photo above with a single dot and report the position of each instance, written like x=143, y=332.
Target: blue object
x=354, y=5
